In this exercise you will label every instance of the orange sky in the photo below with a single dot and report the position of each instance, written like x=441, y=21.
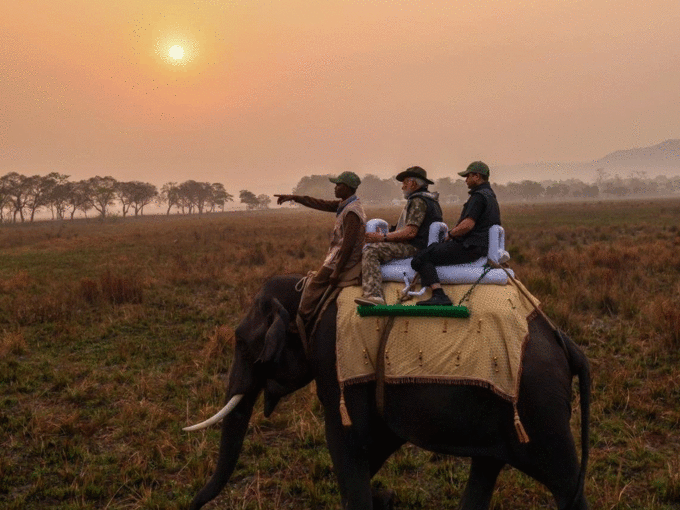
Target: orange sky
x=269, y=91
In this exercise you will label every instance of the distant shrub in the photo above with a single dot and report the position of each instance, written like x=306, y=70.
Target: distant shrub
x=112, y=288
x=89, y=290
x=120, y=289
x=667, y=316
x=255, y=257
x=18, y=282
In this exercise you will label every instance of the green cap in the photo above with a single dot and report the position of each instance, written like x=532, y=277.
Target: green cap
x=476, y=167
x=349, y=178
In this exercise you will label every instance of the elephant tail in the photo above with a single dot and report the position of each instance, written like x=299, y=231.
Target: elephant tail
x=580, y=367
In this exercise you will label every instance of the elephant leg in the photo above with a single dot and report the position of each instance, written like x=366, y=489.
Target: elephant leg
x=551, y=460
x=351, y=465
x=383, y=499
x=479, y=489
x=384, y=445
x=561, y=479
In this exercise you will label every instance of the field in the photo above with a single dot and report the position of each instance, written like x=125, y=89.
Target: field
x=115, y=334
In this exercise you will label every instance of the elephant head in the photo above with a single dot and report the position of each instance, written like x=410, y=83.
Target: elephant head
x=267, y=357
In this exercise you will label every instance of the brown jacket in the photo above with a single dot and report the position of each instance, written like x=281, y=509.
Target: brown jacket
x=347, y=239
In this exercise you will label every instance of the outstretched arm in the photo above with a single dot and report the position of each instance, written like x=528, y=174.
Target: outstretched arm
x=313, y=203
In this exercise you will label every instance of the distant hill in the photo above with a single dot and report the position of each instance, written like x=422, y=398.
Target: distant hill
x=660, y=159
x=663, y=155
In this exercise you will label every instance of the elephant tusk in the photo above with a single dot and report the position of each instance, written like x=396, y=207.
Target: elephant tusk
x=233, y=402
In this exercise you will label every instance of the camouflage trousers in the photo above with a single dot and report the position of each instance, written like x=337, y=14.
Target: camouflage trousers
x=376, y=253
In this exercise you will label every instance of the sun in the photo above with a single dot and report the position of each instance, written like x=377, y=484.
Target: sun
x=176, y=52
x=177, y=47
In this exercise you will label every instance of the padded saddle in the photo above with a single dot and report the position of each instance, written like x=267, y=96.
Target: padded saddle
x=400, y=269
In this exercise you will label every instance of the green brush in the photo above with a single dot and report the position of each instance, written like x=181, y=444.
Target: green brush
x=414, y=311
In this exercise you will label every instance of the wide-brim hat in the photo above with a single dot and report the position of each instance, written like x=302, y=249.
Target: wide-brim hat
x=414, y=171
x=349, y=178
x=476, y=167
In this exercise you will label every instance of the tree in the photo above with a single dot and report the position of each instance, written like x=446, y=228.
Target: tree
x=37, y=190
x=263, y=201
x=591, y=191
x=170, y=195
x=615, y=186
x=219, y=197
x=451, y=191
x=58, y=195
x=531, y=190
x=315, y=186
x=124, y=191
x=376, y=190
x=102, y=193
x=601, y=175
x=78, y=197
x=557, y=190
x=5, y=200
x=135, y=194
x=14, y=186
x=195, y=194
x=641, y=185
x=144, y=194
x=249, y=198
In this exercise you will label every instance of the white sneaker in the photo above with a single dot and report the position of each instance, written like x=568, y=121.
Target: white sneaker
x=369, y=300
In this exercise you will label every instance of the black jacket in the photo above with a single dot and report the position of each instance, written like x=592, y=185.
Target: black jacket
x=481, y=197
x=433, y=213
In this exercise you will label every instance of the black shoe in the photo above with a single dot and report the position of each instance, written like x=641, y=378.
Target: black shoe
x=436, y=300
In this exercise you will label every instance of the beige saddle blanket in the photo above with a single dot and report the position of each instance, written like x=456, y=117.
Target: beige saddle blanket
x=484, y=349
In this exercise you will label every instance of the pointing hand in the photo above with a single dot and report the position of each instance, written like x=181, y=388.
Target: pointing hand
x=283, y=198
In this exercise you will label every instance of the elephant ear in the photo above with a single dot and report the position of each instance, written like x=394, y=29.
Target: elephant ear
x=275, y=338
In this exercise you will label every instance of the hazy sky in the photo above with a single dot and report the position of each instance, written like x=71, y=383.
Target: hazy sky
x=269, y=91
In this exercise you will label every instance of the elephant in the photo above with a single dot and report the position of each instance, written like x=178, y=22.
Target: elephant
x=464, y=421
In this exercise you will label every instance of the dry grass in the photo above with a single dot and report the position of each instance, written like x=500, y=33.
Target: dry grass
x=113, y=335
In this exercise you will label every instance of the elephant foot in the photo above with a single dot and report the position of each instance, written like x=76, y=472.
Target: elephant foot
x=383, y=499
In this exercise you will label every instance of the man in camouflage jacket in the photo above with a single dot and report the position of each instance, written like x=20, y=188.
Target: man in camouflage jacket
x=408, y=237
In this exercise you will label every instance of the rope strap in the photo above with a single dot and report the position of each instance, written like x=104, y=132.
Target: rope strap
x=466, y=296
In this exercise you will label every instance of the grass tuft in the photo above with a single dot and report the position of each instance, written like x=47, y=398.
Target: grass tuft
x=119, y=289
x=12, y=343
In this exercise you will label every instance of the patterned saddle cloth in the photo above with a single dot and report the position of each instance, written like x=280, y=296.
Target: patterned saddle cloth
x=484, y=350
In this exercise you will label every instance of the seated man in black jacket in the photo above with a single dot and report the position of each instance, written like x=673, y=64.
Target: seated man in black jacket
x=468, y=240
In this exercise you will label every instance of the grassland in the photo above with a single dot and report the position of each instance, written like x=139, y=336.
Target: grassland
x=114, y=335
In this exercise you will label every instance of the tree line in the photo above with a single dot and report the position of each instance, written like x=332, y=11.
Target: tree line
x=21, y=196
x=374, y=190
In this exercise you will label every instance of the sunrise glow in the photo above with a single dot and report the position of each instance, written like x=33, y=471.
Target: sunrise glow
x=263, y=93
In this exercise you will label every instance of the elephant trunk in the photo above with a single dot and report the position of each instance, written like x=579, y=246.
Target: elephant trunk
x=234, y=427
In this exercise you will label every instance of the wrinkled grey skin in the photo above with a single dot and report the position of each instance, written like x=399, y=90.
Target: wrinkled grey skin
x=457, y=420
